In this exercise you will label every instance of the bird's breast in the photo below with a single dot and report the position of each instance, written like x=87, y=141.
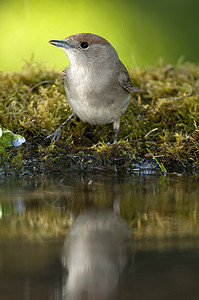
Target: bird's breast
x=95, y=99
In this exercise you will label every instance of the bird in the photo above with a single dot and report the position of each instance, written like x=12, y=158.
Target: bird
x=96, y=82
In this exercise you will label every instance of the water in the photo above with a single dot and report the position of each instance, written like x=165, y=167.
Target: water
x=100, y=237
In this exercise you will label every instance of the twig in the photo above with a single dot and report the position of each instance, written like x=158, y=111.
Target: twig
x=154, y=129
x=40, y=83
x=174, y=156
x=183, y=96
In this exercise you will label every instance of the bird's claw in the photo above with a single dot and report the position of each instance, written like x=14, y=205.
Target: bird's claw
x=55, y=135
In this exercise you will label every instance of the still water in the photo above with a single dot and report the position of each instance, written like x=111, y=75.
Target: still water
x=100, y=236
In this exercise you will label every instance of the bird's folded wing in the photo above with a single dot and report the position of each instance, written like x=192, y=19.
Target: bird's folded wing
x=125, y=81
x=124, y=78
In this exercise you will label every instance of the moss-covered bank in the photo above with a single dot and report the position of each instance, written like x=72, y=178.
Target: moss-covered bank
x=164, y=119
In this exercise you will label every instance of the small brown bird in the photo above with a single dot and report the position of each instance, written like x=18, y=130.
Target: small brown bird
x=96, y=82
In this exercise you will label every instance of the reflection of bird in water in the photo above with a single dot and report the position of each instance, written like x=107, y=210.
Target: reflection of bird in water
x=95, y=252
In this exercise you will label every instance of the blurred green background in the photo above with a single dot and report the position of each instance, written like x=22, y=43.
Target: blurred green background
x=142, y=31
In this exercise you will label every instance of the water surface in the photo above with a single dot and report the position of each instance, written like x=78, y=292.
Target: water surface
x=100, y=237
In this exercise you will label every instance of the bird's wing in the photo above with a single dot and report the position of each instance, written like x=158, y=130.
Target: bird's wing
x=124, y=78
x=125, y=81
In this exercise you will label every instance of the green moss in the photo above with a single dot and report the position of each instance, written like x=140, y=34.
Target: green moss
x=164, y=119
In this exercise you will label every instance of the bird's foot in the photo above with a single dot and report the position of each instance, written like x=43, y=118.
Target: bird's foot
x=55, y=135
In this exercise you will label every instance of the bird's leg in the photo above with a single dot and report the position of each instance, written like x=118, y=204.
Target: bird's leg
x=56, y=135
x=116, y=125
x=115, y=139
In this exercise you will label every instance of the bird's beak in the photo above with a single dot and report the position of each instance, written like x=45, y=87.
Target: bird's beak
x=60, y=43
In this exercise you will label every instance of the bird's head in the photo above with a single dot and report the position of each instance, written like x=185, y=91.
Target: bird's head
x=86, y=48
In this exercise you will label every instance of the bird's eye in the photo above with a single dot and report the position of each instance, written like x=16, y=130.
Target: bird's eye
x=84, y=45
